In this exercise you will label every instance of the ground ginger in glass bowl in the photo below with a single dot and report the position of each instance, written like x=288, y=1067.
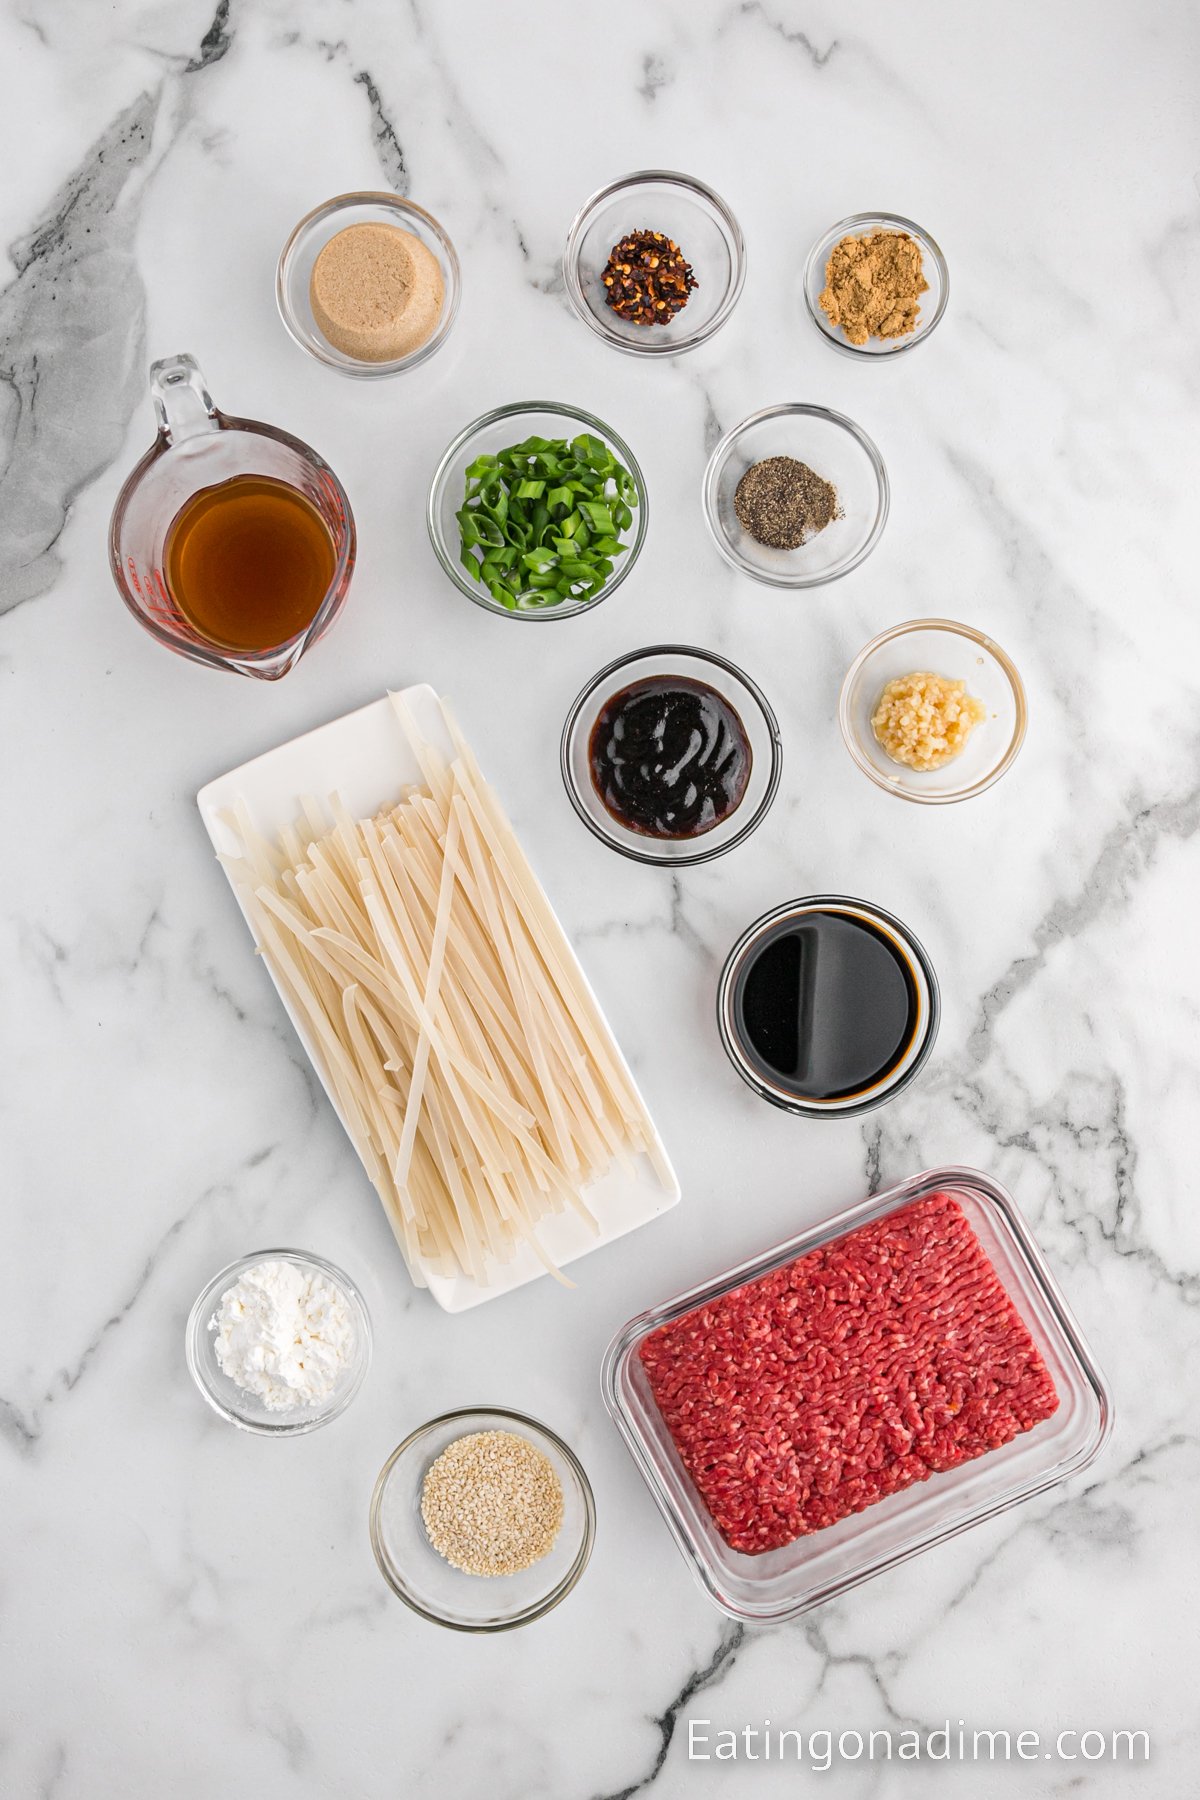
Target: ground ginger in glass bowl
x=924, y=720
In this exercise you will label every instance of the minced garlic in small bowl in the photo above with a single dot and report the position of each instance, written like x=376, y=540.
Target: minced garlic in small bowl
x=924, y=720
x=932, y=711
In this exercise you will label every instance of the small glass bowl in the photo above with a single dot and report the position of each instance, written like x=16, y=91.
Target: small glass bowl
x=933, y=301
x=760, y=1076
x=835, y=448
x=314, y=231
x=737, y=689
x=424, y=1580
x=246, y=1410
x=960, y=653
x=497, y=431
x=706, y=232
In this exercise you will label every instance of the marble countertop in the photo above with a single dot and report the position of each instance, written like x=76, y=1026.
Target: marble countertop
x=184, y=1609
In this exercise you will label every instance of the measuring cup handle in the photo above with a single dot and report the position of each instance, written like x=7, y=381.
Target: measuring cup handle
x=182, y=403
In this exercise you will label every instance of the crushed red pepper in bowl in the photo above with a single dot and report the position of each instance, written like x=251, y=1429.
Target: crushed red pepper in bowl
x=647, y=278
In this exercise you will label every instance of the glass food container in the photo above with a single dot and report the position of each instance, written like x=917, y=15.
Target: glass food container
x=782, y=1583
x=244, y=1409
x=768, y=1082
x=199, y=447
x=960, y=653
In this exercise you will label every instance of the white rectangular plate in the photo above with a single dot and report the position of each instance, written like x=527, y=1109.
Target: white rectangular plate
x=366, y=758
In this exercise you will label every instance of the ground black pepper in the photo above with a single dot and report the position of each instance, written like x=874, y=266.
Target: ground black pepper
x=647, y=279
x=783, y=504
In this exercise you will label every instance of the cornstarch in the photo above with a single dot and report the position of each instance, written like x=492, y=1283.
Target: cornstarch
x=284, y=1334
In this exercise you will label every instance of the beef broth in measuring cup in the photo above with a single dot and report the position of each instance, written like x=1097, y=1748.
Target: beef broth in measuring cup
x=249, y=562
x=232, y=542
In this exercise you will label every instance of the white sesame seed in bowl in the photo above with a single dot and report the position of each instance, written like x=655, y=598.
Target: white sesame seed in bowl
x=482, y=1520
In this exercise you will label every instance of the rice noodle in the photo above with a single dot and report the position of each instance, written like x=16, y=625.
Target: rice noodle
x=477, y=1080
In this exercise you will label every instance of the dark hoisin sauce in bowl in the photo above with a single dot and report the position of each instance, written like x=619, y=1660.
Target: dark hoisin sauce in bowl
x=669, y=757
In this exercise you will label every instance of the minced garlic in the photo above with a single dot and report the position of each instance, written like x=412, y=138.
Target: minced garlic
x=924, y=720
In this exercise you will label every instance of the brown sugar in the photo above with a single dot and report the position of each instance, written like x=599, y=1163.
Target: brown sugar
x=873, y=285
x=376, y=292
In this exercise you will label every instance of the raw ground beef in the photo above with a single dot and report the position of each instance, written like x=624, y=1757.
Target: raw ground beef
x=882, y=1358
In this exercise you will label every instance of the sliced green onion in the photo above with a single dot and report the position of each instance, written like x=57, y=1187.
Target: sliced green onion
x=541, y=522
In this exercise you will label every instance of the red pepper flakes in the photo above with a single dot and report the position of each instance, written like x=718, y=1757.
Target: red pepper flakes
x=646, y=278
x=884, y=1357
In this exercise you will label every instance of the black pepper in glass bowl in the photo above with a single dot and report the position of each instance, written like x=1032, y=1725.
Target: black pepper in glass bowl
x=796, y=495
x=783, y=503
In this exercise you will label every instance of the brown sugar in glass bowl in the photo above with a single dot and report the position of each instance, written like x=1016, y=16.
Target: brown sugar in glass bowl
x=363, y=234
x=376, y=292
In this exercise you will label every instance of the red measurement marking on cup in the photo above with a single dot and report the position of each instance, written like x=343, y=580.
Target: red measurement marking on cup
x=158, y=601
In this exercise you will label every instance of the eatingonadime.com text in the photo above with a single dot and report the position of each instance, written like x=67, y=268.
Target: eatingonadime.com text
x=820, y=1749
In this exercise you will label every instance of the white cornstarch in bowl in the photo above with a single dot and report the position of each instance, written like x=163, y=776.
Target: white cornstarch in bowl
x=492, y=1503
x=284, y=1334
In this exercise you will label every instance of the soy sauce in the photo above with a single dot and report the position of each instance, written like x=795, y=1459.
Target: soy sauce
x=826, y=1005
x=249, y=562
x=669, y=758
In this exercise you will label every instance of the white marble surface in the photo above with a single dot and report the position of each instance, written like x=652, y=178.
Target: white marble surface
x=185, y=1611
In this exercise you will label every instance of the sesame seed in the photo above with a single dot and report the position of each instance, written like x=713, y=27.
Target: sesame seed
x=492, y=1503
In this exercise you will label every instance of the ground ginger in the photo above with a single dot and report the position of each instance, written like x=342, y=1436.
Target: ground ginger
x=873, y=285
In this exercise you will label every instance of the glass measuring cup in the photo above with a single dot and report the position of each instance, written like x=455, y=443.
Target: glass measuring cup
x=200, y=447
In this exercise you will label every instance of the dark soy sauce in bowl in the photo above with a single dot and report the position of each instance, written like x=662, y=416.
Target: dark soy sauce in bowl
x=828, y=1006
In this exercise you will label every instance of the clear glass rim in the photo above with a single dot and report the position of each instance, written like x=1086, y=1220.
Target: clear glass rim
x=364, y=371
x=720, y=455
x=238, y=662
x=198, y=1322
x=816, y=1109
x=574, y=287
x=690, y=858
x=561, y=1588
x=980, y=638
x=475, y=590
x=902, y=1193
x=849, y=227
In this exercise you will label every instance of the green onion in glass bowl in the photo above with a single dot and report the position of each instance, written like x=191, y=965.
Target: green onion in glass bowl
x=543, y=527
